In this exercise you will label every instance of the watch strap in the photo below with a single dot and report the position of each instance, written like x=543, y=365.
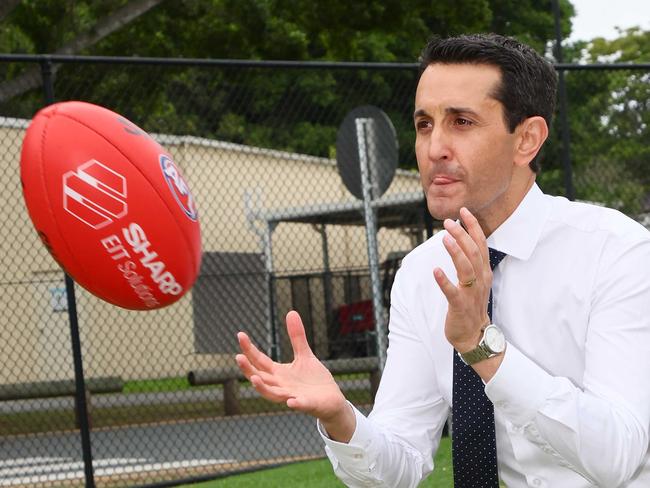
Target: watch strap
x=479, y=353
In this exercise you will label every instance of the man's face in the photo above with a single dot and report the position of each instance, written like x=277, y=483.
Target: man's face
x=463, y=147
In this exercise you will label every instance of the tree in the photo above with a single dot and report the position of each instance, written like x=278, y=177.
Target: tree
x=284, y=109
x=91, y=34
x=6, y=7
x=609, y=115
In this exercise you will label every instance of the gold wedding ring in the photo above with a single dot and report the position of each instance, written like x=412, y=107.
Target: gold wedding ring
x=469, y=283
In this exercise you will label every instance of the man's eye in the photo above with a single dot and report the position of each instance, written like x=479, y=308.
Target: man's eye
x=422, y=125
x=463, y=122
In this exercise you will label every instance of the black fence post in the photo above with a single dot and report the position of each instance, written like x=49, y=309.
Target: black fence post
x=80, y=383
x=564, y=120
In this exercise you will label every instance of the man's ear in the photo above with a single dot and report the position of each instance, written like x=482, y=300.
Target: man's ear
x=531, y=134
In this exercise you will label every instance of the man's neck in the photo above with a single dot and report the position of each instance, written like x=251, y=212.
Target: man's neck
x=490, y=223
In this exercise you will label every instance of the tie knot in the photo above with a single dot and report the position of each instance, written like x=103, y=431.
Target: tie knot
x=495, y=257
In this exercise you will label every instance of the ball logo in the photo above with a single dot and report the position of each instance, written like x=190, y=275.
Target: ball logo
x=95, y=194
x=130, y=127
x=178, y=186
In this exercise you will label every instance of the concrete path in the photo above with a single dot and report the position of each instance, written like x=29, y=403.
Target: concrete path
x=163, y=451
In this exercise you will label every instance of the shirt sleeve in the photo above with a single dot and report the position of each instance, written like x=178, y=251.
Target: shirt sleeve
x=395, y=444
x=601, y=429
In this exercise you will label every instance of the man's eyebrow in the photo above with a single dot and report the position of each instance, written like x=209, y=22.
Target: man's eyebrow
x=420, y=113
x=449, y=110
x=460, y=110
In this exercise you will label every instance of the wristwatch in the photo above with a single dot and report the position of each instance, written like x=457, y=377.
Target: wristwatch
x=491, y=344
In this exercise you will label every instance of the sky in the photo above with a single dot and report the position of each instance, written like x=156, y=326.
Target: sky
x=598, y=18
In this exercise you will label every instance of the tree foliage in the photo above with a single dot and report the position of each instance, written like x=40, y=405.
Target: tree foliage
x=609, y=113
x=99, y=29
x=292, y=110
x=300, y=110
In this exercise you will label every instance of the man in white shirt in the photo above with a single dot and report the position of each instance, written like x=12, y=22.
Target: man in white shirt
x=570, y=385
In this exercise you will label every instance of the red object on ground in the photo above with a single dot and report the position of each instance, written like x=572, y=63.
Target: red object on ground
x=356, y=317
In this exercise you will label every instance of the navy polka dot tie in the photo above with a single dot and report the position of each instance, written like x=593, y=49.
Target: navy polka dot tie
x=474, y=448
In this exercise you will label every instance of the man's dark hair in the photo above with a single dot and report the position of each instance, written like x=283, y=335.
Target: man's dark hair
x=528, y=82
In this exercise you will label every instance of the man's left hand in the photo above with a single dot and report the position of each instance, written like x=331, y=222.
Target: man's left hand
x=468, y=299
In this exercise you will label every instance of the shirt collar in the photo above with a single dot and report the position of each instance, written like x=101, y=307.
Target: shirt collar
x=520, y=232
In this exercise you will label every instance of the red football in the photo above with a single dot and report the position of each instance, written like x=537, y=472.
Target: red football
x=111, y=205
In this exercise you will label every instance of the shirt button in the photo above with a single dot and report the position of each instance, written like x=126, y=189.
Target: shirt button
x=357, y=456
x=537, y=481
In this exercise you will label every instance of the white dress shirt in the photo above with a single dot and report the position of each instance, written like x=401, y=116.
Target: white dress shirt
x=572, y=395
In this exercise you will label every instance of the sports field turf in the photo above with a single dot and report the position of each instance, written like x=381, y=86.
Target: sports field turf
x=318, y=474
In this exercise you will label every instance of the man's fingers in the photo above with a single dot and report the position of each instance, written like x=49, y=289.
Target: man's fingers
x=257, y=358
x=270, y=392
x=447, y=287
x=249, y=370
x=464, y=269
x=302, y=404
x=476, y=233
x=297, y=335
x=245, y=366
x=467, y=245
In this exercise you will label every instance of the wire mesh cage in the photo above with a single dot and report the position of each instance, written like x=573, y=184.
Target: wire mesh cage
x=280, y=232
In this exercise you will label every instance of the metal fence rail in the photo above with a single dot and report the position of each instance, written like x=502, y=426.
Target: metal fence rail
x=256, y=141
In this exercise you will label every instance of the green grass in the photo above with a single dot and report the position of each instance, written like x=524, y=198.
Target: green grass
x=180, y=383
x=157, y=385
x=319, y=474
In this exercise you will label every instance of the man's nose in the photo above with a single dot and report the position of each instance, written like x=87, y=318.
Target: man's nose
x=439, y=145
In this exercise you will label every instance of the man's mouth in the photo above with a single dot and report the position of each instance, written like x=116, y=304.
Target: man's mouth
x=443, y=180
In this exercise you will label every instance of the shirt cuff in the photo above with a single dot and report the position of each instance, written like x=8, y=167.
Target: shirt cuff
x=519, y=387
x=357, y=450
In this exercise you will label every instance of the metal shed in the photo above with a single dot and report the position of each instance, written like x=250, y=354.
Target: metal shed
x=397, y=210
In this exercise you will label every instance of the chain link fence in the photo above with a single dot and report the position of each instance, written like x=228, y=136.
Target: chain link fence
x=257, y=143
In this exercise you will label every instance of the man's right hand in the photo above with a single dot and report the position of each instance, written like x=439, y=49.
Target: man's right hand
x=305, y=384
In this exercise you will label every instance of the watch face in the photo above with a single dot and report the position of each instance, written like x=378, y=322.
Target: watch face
x=494, y=339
